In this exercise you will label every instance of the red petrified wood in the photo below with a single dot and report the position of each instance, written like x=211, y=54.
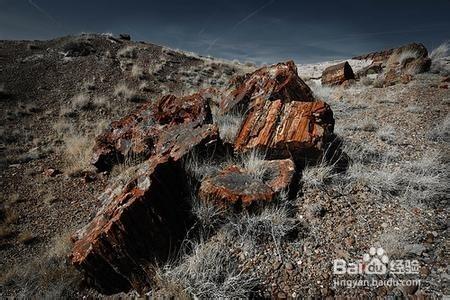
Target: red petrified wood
x=297, y=130
x=144, y=216
x=150, y=130
x=337, y=74
x=279, y=81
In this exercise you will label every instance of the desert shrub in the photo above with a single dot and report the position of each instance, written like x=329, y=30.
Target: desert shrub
x=123, y=91
x=438, y=57
x=127, y=52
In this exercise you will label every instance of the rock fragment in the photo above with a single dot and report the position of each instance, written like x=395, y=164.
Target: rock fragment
x=337, y=74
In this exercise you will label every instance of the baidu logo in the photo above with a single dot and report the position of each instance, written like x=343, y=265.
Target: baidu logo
x=375, y=262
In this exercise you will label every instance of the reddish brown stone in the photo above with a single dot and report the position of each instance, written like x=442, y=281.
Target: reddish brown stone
x=139, y=223
x=145, y=215
x=279, y=174
x=234, y=187
x=150, y=130
x=279, y=81
x=283, y=130
x=337, y=74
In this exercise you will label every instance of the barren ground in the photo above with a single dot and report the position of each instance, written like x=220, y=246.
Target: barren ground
x=393, y=194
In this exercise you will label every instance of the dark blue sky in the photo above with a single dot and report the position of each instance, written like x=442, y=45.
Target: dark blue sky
x=257, y=30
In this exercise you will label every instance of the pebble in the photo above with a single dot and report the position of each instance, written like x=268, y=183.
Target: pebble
x=289, y=266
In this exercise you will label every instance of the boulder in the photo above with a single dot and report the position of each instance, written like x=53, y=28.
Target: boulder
x=139, y=223
x=337, y=74
x=145, y=213
x=150, y=130
x=279, y=81
x=297, y=130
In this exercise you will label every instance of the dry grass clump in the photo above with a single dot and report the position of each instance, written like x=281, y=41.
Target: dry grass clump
x=229, y=125
x=78, y=151
x=137, y=72
x=317, y=176
x=123, y=91
x=441, y=132
x=26, y=237
x=439, y=59
x=127, y=52
x=254, y=163
x=365, y=124
x=387, y=133
x=46, y=275
x=209, y=271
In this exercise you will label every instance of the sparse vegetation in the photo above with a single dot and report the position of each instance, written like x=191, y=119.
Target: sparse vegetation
x=438, y=59
x=123, y=91
x=387, y=133
x=229, y=125
x=127, y=52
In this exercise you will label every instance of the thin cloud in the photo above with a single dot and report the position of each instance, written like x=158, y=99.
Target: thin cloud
x=42, y=11
x=243, y=20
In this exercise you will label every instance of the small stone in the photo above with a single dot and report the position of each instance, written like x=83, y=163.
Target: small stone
x=289, y=266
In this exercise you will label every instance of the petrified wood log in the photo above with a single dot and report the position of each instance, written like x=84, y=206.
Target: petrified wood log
x=297, y=130
x=337, y=74
x=279, y=81
x=150, y=130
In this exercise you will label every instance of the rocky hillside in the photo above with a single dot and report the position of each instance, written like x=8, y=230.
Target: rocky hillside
x=129, y=168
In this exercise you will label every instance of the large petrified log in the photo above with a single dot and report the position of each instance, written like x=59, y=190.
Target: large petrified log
x=337, y=74
x=150, y=129
x=279, y=81
x=297, y=130
x=144, y=216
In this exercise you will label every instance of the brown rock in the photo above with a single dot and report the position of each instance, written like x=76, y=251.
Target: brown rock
x=279, y=174
x=236, y=188
x=145, y=214
x=297, y=130
x=383, y=56
x=337, y=74
x=279, y=81
x=150, y=130
x=136, y=225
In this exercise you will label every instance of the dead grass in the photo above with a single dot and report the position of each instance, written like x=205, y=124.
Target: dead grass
x=137, y=72
x=78, y=151
x=229, y=125
x=207, y=272
x=127, y=52
x=46, y=275
x=123, y=91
